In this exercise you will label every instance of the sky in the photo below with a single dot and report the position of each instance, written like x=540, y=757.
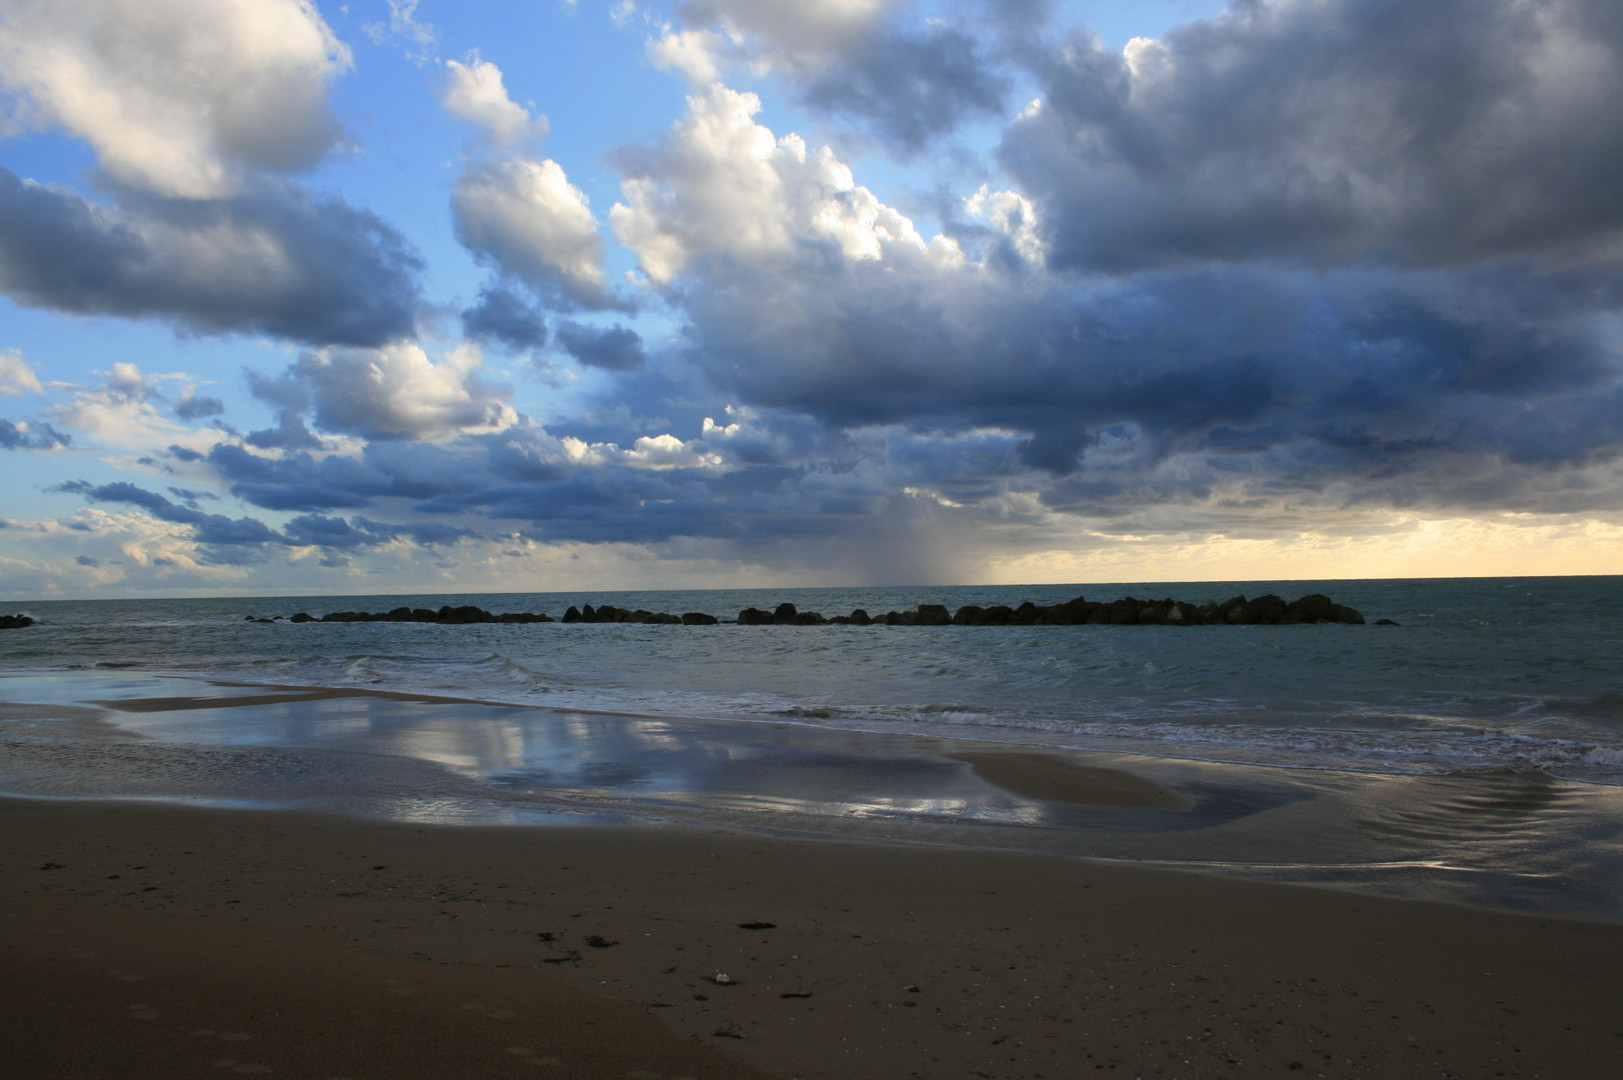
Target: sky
x=411, y=295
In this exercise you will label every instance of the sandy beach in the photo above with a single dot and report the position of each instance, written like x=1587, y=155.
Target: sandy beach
x=148, y=940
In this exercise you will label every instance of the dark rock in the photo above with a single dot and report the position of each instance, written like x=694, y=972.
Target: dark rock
x=572, y=615
x=15, y=622
x=465, y=614
x=1123, y=612
x=1268, y=609
x=1315, y=607
x=698, y=618
x=303, y=617
x=1386, y=622
x=1181, y=614
x=1240, y=615
x=968, y=615
x=423, y=614
x=784, y=615
x=860, y=617
x=753, y=617
x=1075, y=612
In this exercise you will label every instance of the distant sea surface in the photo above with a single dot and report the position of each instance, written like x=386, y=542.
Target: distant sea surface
x=1480, y=676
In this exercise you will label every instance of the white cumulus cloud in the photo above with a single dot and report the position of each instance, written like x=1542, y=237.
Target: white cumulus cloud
x=475, y=93
x=174, y=96
x=16, y=377
x=399, y=391
x=527, y=219
x=722, y=185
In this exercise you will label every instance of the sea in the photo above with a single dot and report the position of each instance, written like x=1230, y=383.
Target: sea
x=1472, y=750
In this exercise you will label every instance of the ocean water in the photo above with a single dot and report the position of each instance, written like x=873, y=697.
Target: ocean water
x=1481, y=674
x=1473, y=751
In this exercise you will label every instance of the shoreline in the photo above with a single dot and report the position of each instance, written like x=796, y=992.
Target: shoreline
x=813, y=958
x=1507, y=842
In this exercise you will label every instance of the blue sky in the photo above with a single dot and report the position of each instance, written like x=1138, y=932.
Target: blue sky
x=387, y=296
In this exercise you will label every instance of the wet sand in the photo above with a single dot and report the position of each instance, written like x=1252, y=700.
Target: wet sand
x=150, y=940
x=1051, y=778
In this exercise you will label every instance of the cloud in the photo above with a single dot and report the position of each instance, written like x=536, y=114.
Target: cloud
x=911, y=88
x=26, y=436
x=298, y=480
x=910, y=80
x=226, y=541
x=193, y=406
x=396, y=391
x=503, y=317
x=1268, y=380
x=337, y=534
x=124, y=408
x=722, y=189
x=274, y=260
x=16, y=377
x=613, y=349
x=525, y=219
x=475, y=93
x=1433, y=135
x=177, y=98
x=420, y=39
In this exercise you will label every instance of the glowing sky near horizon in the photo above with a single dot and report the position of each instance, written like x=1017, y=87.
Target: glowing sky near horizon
x=405, y=295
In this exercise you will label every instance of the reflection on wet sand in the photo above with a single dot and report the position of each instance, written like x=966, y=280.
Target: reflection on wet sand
x=1525, y=840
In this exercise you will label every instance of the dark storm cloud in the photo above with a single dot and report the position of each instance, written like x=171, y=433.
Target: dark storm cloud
x=504, y=318
x=911, y=88
x=1431, y=134
x=1356, y=244
x=298, y=481
x=275, y=261
x=613, y=349
x=1328, y=374
x=32, y=437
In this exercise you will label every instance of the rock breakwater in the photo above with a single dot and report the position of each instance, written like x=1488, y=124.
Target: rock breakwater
x=1266, y=610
